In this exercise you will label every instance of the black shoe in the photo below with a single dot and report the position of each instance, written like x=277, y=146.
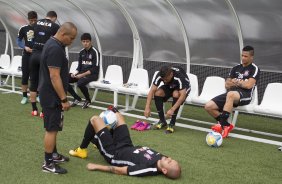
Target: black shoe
x=113, y=108
x=53, y=168
x=75, y=102
x=58, y=158
x=280, y=148
x=86, y=104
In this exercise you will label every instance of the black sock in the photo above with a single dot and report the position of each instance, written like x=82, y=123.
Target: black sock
x=73, y=93
x=48, y=158
x=217, y=118
x=84, y=91
x=223, y=118
x=159, y=105
x=34, y=107
x=24, y=94
x=88, y=136
x=173, y=117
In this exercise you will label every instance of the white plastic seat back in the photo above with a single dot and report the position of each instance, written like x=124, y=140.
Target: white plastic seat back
x=114, y=75
x=73, y=66
x=14, y=66
x=194, y=87
x=250, y=107
x=213, y=86
x=140, y=77
x=5, y=61
x=272, y=100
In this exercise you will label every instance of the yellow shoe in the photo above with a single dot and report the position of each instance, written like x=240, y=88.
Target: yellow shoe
x=78, y=152
x=159, y=125
x=169, y=130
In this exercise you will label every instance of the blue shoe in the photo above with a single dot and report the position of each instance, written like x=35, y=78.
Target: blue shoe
x=24, y=100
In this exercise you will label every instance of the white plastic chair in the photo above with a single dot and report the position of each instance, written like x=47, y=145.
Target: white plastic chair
x=145, y=91
x=13, y=70
x=271, y=103
x=140, y=80
x=213, y=86
x=193, y=93
x=5, y=61
x=73, y=68
x=113, y=79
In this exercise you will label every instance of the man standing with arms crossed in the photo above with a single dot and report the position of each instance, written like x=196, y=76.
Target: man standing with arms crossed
x=53, y=88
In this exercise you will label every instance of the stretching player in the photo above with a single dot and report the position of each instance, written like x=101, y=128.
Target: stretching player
x=43, y=30
x=26, y=33
x=240, y=85
x=118, y=150
x=169, y=82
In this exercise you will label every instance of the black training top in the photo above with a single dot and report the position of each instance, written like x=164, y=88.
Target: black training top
x=26, y=32
x=141, y=161
x=43, y=30
x=53, y=55
x=244, y=73
x=179, y=81
x=89, y=60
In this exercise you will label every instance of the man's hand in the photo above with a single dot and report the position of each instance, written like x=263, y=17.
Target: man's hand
x=169, y=113
x=27, y=49
x=65, y=106
x=147, y=112
x=92, y=167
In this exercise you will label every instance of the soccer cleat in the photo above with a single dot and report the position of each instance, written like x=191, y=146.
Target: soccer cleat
x=280, y=148
x=169, y=129
x=59, y=158
x=217, y=128
x=78, y=152
x=53, y=168
x=24, y=100
x=143, y=126
x=75, y=102
x=160, y=125
x=34, y=113
x=113, y=108
x=86, y=104
x=227, y=130
x=41, y=115
x=136, y=124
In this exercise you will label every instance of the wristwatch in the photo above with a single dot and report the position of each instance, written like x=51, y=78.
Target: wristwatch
x=64, y=100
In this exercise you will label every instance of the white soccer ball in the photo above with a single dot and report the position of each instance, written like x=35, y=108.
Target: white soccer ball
x=214, y=139
x=110, y=118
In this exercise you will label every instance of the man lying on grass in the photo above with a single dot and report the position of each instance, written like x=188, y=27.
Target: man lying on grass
x=117, y=149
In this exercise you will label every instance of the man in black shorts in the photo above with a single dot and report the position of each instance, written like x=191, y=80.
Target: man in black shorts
x=169, y=82
x=117, y=149
x=87, y=70
x=43, y=30
x=240, y=85
x=26, y=33
x=53, y=85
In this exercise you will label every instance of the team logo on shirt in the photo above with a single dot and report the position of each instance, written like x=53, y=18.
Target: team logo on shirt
x=247, y=73
x=87, y=62
x=90, y=56
x=148, y=156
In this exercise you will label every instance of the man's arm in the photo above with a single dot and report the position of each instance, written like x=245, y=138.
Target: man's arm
x=58, y=85
x=180, y=100
x=247, y=84
x=104, y=168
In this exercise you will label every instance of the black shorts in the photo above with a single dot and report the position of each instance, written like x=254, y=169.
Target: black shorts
x=169, y=91
x=109, y=144
x=53, y=118
x=245, y=99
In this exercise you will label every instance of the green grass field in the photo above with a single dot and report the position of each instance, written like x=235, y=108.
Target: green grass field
x=236, y=161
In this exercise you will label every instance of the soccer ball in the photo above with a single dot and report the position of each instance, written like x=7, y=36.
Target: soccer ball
x=214, y=139
x=110, y=119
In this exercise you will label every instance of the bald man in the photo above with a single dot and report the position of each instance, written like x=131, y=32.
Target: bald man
x=53, y=85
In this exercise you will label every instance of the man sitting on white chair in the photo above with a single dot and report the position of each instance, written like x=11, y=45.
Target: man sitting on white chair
x=240, y=85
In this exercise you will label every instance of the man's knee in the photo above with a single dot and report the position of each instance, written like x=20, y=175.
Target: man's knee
x=210, y=106
x=232, y=95
x=159, y=93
